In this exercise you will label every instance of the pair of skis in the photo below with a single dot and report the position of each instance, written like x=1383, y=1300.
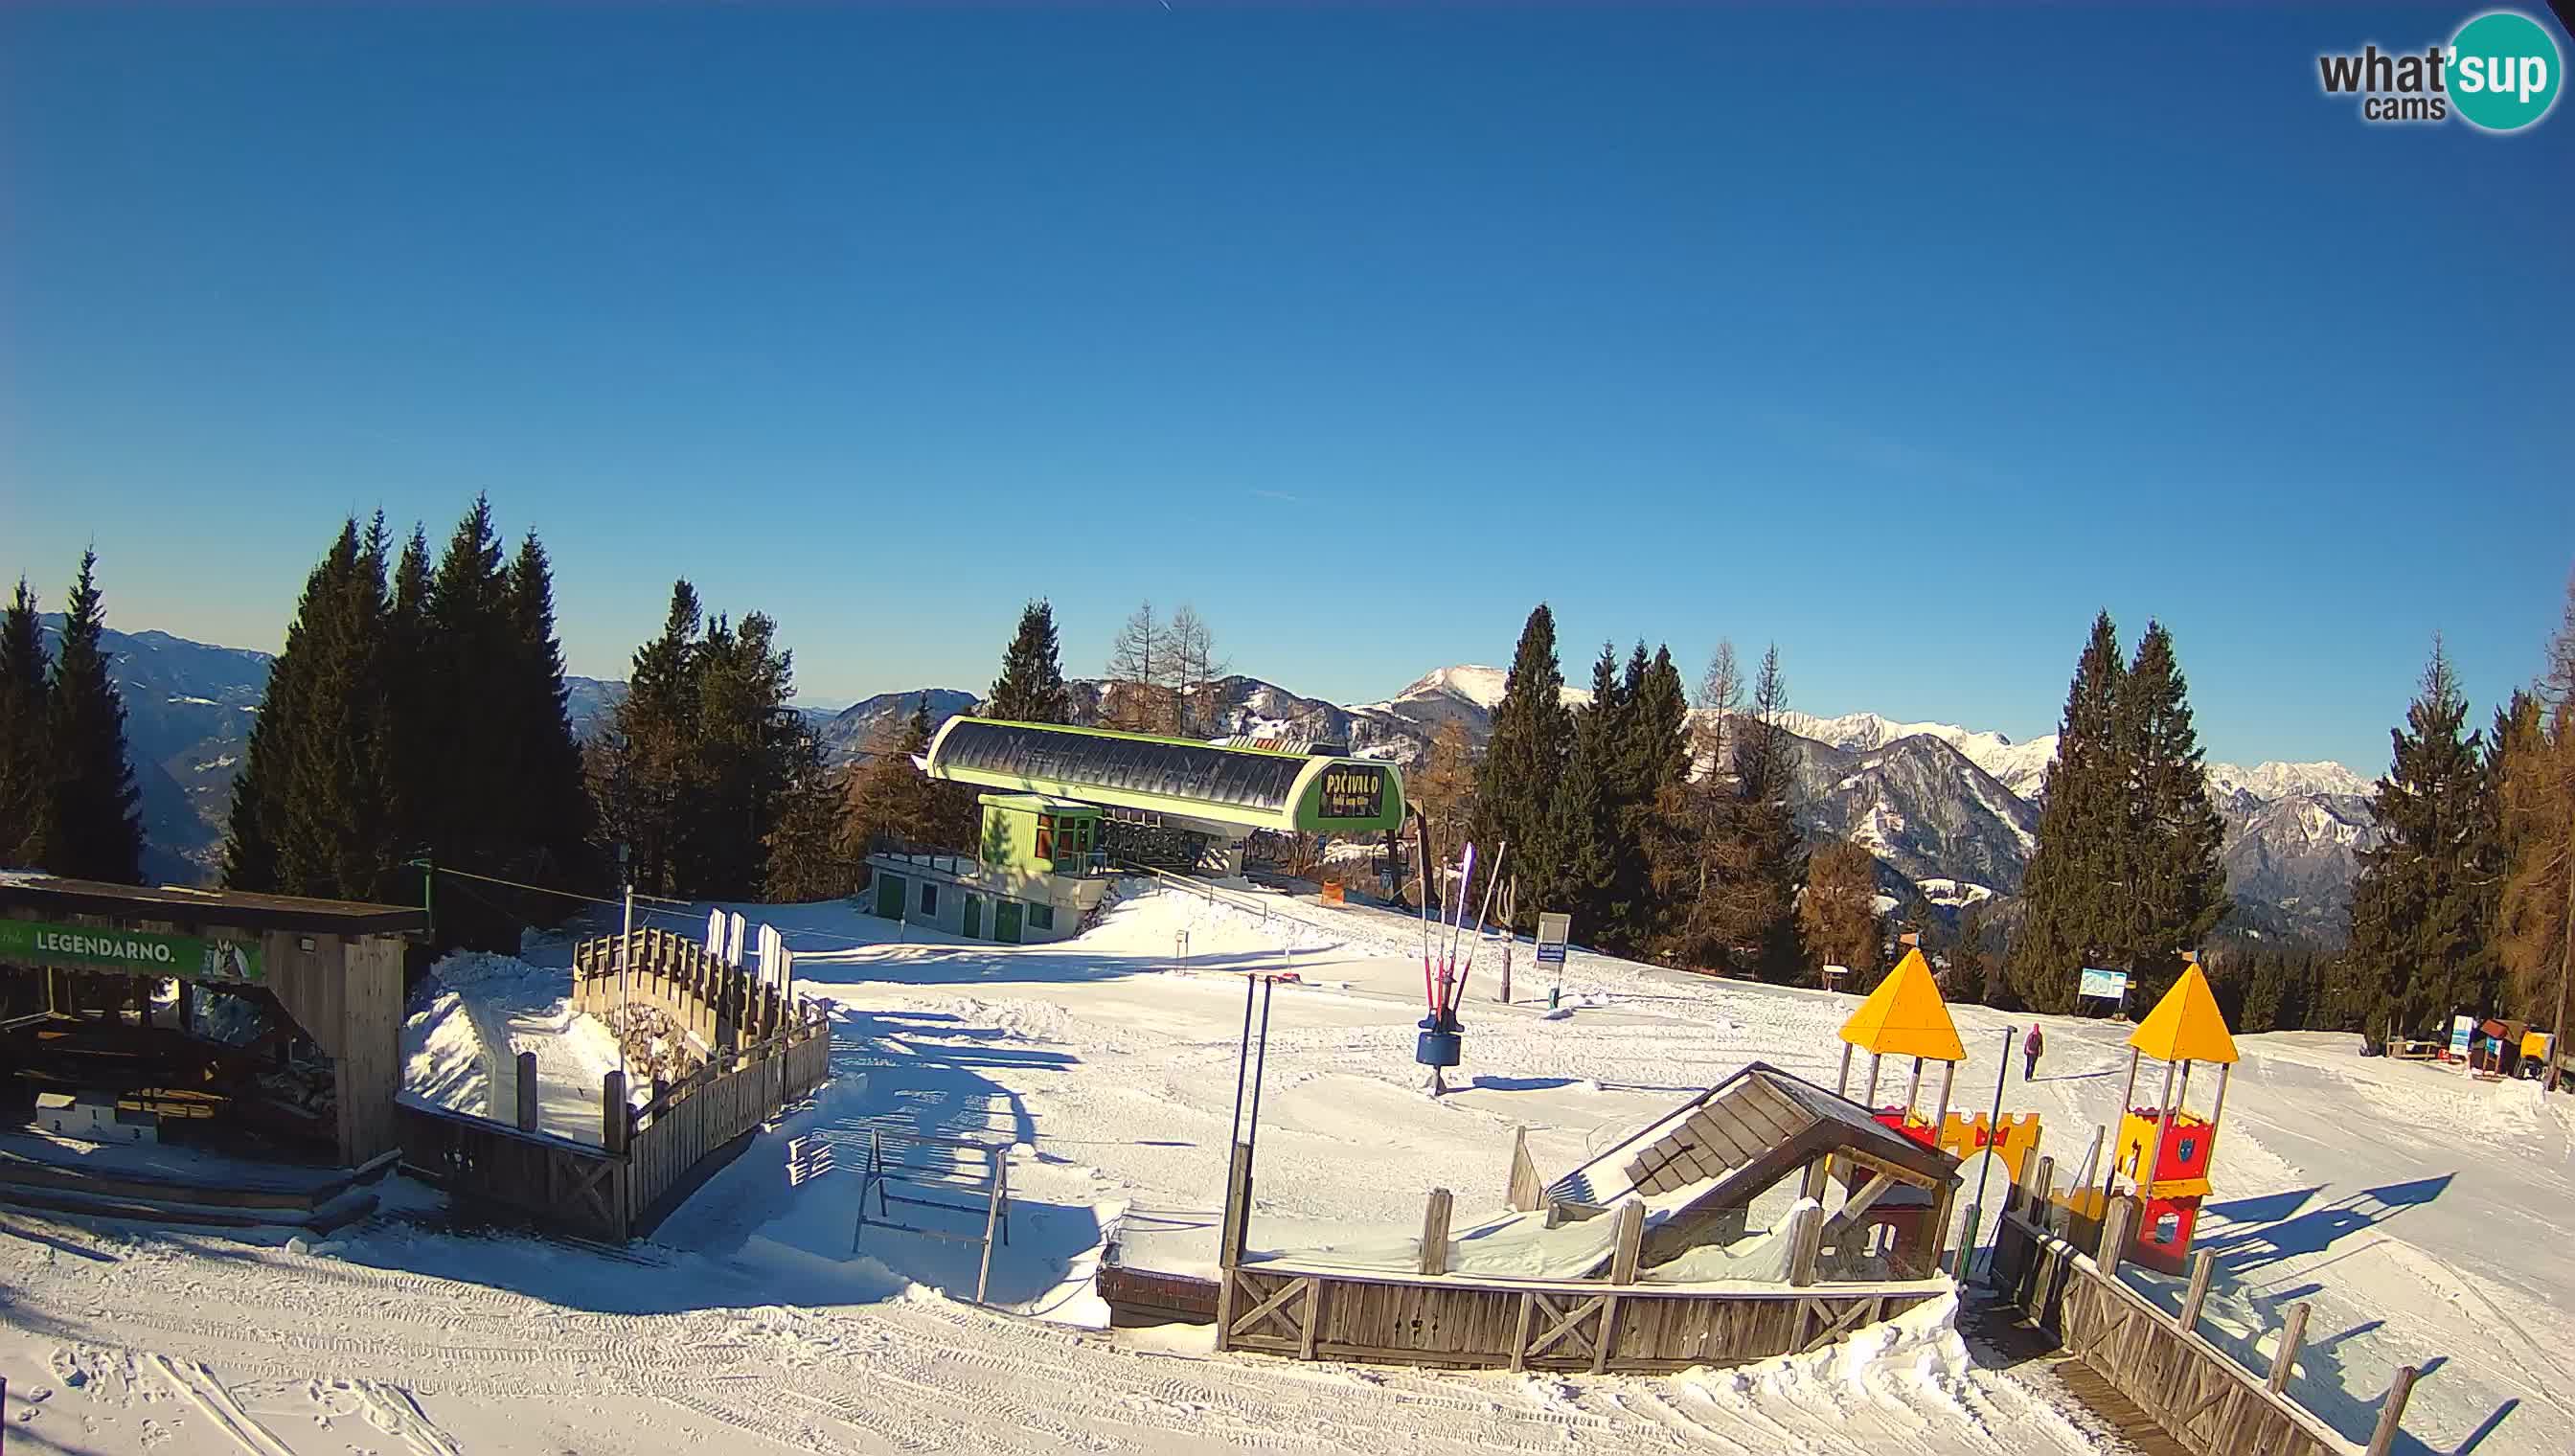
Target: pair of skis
x=1444, y=980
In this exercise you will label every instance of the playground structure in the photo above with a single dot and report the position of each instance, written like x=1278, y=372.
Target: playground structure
x=1906, y=1016
x=2165, y=1149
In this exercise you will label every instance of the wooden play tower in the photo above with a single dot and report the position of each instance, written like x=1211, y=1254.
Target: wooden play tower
x=2164, y=1150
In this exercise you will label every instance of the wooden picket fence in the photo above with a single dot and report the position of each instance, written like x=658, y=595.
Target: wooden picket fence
x=767, y=1049
x=2186, y=1384
x=722, y=1005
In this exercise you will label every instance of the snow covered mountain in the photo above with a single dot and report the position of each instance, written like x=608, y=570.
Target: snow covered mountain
x=2019, y=767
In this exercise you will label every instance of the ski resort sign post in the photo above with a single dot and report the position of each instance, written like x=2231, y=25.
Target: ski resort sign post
x=1553, y=930
x=128, y=952
x=2103, y=985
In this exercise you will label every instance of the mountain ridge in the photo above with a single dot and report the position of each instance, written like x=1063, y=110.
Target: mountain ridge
x=1936, y=802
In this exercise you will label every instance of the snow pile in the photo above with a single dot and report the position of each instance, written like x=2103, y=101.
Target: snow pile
x=1903, y=1364
x=445, y=1063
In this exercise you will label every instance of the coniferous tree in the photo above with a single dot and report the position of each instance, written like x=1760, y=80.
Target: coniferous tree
x=1655, y=818
x=327, y=810
x=2070, y=914
x=552, y=806
x=806, y=858
x=97, y=833
x=643, y=773
x=2419, y=914
x=1580, y=840
x=1766, y=858
x=1532, y=740
x=1030, y=688
x=1837, y=912
x=2175, y=883
x=26, y=771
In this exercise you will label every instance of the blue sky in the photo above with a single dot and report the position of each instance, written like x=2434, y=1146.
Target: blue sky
x=1905, y=339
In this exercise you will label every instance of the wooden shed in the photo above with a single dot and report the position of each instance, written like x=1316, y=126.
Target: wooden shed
x=83, y=965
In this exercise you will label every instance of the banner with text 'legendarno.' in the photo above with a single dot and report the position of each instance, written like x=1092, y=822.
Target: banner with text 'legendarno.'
x=128, y=952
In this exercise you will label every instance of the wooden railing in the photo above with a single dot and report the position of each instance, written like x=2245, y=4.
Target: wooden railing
x=767, y=1049
x=569, y=1187
x=2189, y=1386
x=720, y=1006
x=693, y=1128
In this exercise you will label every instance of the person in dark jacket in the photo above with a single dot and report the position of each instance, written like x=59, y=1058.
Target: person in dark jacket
x=2030, y=1050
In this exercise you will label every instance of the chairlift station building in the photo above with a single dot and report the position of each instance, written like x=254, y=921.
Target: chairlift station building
x=1064, y=804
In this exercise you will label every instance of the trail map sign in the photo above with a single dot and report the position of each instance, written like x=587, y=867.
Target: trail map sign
x=1552, y=931
x=2462, y=1028
x=2107, y=985
x=128, y=952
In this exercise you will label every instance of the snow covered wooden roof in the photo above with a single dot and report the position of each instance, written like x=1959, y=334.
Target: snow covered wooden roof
x=187, y=905
x=1743, y=1136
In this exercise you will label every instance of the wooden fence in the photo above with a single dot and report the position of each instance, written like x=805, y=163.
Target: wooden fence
x=722, y=1005
x=569, y=1187
x=2191, y=1388
x=1541, y=1324
x=768, y=1050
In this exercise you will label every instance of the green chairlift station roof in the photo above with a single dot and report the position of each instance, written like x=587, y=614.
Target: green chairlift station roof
x=1249, y=788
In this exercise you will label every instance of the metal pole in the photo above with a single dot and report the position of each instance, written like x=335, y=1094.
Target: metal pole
x=1977, y=1212
x=2127, y=1100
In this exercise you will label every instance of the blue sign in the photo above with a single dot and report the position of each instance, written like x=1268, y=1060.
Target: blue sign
x=2462, y=1029
x=1550, y=955
x=2107, y=985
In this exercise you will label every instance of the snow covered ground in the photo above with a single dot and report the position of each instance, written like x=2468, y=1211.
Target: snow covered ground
x=2424, y=1214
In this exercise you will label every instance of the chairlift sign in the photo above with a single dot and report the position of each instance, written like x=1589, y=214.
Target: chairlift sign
x=129, y=952
x=1353, y=791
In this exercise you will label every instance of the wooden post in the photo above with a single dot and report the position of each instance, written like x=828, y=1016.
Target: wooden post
x=1805, y=1238
x=2042, y=1189
x=2285, y=1358
x=1525, y=1193
x=612, y=1113
x=1841, y=1083
x=2383, y=1440
x=2200, y=1267
x=1435, y=1233
x=2115, y=1218
x=1630, y=1249
x=526, y=1091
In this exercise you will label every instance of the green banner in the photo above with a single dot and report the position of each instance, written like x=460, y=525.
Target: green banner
x=128, y=952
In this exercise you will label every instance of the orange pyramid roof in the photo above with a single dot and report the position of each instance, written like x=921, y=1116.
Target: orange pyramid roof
x=1906, y=1016
x=2186, y=1025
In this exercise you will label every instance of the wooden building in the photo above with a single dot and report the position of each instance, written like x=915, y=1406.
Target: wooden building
x=315, y=987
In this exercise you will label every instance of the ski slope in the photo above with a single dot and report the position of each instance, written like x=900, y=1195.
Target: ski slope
x=748, y=1324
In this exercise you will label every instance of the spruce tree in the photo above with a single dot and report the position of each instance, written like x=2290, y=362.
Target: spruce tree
x=26, y=771
x=2070, y=914
x=644, y=769
x=97, y=831
x=1580, y=843
x=2169, y=852
x=553, y=808
x=1768, y=850
x=1532, y=741
x=806, y=858
x=1837, y=915
x=2419, y=916
x=1030, y=688
x=1655, y=817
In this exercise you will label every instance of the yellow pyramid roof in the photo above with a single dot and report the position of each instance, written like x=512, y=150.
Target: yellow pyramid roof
x=2186, y=1025
x=1906, y=1016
